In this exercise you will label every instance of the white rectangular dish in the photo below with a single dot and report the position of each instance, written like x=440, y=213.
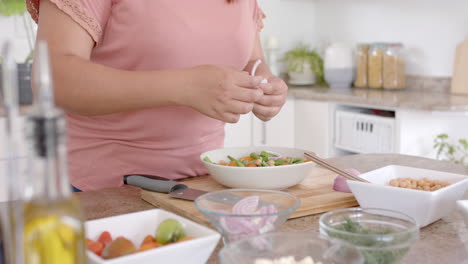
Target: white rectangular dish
x=135, y=226
x=424, y=206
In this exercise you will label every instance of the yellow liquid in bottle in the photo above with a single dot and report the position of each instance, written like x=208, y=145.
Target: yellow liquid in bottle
x=53, y=233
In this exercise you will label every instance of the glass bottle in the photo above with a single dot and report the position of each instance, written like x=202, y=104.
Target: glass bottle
x=393, y=67
x=53, y=221
x=375, y=65
x=361, y=67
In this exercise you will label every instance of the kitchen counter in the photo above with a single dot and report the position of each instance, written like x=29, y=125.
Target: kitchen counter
x=445, y=241
x=366, y=97
x=388, y=99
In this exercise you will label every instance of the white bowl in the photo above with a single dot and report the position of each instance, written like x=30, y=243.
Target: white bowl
x=424, y=206
x=463, y=207
x=135, y=226
x=272, y=178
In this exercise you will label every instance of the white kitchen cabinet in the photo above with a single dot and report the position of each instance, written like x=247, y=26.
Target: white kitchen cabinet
x=240, y=133
x=279, y=131
x=251, y=131
x=313, y=126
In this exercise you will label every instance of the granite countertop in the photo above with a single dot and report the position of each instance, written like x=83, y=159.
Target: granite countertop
x=445, y=241
x=388, y=99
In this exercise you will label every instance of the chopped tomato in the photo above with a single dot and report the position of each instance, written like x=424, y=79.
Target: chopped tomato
x=148, y=245
x=95, y=246
x=148, y=239
x=105, y=238
x=184, y=239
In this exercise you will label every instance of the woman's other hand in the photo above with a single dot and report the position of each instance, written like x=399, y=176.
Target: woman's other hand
x=221, y=92
x=269, y=105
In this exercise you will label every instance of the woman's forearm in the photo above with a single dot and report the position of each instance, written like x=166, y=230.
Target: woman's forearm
x=87, y=88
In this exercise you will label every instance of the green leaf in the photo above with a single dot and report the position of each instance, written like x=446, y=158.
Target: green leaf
x=442, y=136
x=12, y=7
x=451, y=150
x=464, y=143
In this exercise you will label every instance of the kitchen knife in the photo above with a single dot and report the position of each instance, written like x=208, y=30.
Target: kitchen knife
x=173, y=188
x=177, y=189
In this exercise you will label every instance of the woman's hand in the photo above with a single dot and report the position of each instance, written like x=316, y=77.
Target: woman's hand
x=269, y=105
x=221, y=92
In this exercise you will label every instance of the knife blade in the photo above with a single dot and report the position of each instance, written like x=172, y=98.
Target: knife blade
x=178, y=190
x=156, y=184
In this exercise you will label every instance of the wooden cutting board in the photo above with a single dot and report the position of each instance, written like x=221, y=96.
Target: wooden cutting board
x=460, y=71
x=316, y=194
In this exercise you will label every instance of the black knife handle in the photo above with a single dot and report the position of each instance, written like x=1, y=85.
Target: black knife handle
x=152, y=184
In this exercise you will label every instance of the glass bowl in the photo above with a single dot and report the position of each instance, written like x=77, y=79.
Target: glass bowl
x=275, y=246
x=382, y=236
x=261, y=211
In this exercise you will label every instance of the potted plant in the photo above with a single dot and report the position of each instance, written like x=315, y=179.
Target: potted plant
x=304, y=66
x=18, y=8
x=456, y=153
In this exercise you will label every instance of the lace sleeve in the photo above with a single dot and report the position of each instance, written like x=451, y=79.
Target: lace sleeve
x=92, y=15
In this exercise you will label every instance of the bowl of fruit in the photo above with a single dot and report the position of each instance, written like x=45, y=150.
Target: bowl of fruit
x=272, y=168
x=148, y=237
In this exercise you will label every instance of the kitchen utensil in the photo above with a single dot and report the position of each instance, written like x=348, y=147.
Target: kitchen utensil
x=460, y=76
x=173, y=188
x=381, y=236
x=271, y=178
x=135, y=226
x=424, y=206
x=298, y=245
x=315, y=191
x=333, y=167
x=249, y=217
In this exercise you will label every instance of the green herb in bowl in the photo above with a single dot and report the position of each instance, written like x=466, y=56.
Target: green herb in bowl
x=382, y=236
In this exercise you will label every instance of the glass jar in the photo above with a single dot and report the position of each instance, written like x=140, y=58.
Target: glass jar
x=375, y=65
x=361, y=67
x=393, y=67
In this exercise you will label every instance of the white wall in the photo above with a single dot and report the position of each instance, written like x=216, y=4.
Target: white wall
x=12, y=28
x=430, y=29
x=291, y=21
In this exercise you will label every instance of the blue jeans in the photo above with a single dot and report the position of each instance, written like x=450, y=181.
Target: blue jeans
x=75, y=189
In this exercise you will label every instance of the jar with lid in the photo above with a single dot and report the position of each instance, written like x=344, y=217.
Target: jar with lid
x=361, y=67
x=375, y=65
x=393, y=67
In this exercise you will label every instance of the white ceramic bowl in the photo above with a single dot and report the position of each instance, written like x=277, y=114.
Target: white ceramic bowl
x=135, y=226
x=463, y=207
x=424, y=206
x=272, y=178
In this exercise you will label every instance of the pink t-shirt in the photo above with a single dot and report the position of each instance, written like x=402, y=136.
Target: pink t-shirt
x=154, y=35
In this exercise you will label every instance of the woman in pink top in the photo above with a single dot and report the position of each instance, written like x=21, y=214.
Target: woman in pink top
x=148, y=85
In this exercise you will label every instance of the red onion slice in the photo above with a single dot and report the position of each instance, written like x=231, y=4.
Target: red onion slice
x=340, y=184
x=247, y=205
x=237, y=227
